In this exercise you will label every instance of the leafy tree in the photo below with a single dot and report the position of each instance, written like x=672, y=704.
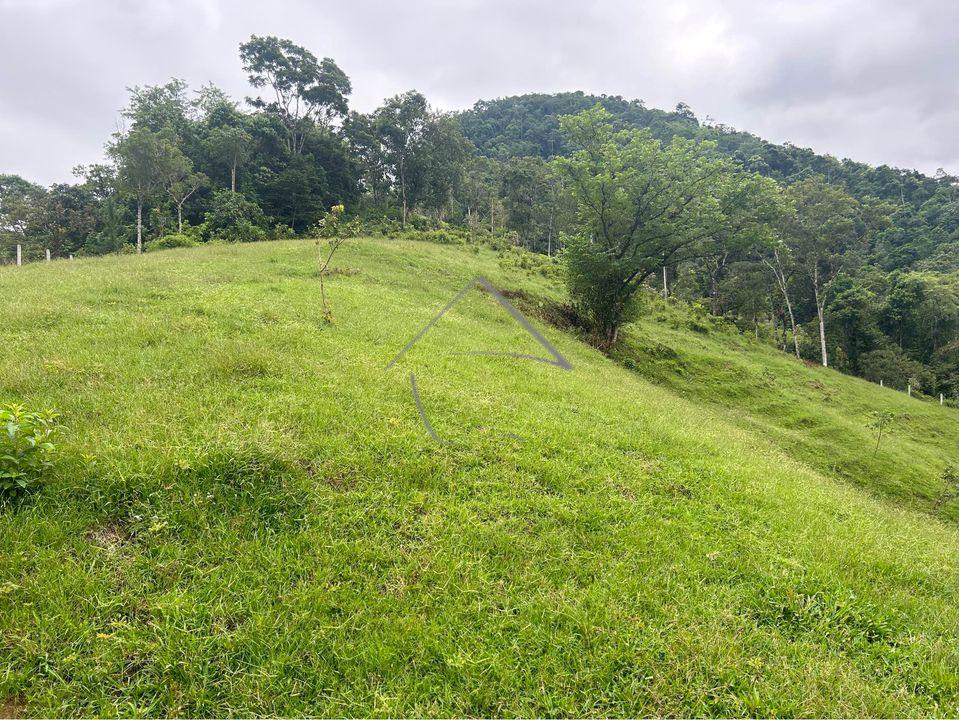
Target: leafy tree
x=402, y=124
x=63, y=219
x=145, y=160
x=234, y=217
x=231, y=147
x=18, y=200
x=305, y=90
x=820, y=234
x=528, y=198
x=365, y=147
x=160, y=107
x=880, y=421
x=335, y=231
x=445, y=154
x=643, y=206
x=181, y=182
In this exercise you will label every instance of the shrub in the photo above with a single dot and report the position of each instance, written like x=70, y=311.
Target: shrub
x=950, y=479
x=26, y=448
x=595, y=282
x=235, y=218
x=282, y=232
x=168, y=242
x=333, y=224
x=895, y=368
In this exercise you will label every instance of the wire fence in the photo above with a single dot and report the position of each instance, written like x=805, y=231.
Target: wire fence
x=20, y=259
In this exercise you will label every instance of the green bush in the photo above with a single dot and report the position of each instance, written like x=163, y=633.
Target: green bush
x=282, y=232
x=235, y=218
x=26, y=448
x=168, y=242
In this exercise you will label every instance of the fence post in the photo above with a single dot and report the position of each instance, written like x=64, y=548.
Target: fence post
x=71, y=256
x=910, y=389
x=19, y=255
x=940, y=399
x=880, y=383
x=48, y=254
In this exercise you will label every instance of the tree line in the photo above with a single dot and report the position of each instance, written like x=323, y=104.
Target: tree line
x=835, y=261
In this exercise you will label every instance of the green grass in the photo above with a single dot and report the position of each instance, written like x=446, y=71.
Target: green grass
x=248, y=517
x=817, y=415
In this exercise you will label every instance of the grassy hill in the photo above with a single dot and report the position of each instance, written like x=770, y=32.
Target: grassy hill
x=249, y=517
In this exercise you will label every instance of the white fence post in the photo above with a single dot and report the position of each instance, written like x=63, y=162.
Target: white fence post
x=19, y=255
x=909, y=389
x=48, y=254
x=880, y=383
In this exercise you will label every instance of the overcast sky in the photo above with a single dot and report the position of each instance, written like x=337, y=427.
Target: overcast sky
x=874, y=80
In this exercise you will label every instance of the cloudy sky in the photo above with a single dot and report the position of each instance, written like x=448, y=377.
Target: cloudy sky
x=874, y=80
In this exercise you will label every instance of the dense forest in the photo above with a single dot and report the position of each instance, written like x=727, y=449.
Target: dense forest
x=838, y=262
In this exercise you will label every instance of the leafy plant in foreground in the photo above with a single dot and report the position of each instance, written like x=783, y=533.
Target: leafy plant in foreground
x=950, y=477
x=880, y=421
x=336, y=232
x=26, y=448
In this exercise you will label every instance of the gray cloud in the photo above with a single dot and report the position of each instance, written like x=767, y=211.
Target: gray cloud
x=868, y=79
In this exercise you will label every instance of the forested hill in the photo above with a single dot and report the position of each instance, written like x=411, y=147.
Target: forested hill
x=832, y=260
x=924, y=226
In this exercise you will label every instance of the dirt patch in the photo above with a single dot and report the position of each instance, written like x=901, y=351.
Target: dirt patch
x=110, y=538
x=13, y=707
x=559, y=315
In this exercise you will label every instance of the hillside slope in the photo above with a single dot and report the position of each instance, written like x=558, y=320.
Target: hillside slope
x=249, y=517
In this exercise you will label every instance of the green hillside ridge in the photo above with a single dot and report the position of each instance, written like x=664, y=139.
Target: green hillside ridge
x=248, y=516
x=816, y=415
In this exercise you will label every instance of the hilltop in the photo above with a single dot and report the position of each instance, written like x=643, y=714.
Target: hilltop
x=248, y=516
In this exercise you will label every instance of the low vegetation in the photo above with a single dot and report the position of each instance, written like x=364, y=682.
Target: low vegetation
x=247, y=516
x=26, y=449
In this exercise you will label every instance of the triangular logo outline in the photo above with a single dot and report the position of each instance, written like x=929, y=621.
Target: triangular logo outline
x=557, y=358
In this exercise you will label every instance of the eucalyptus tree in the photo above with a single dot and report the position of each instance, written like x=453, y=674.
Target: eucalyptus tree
x=231, y=147
x=821, y=234
x=402, y=124
x=446, y=152
x=145, y=160
x=181, y=182
x=527, y=194
x=363, y=140
x=306, y=91
x=778, y=258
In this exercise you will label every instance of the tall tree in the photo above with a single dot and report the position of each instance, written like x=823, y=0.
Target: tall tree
x=643, y=206
x=232, y=147
x=144, y=159
x=779, y=261
x=181, y=182
x=402, y=123
x=305, y=90
x=820, y=233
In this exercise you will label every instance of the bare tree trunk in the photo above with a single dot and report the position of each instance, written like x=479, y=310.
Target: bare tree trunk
x=665, y=289
x=819, y=312
x=792, y=322
x=179, y=217
x=784, y=289
x=822, y=335
x=139, y=226
x=403, y=188
x=549, y=236
x=233, y=177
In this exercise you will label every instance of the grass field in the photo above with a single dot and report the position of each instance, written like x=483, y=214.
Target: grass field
x=248, y=516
